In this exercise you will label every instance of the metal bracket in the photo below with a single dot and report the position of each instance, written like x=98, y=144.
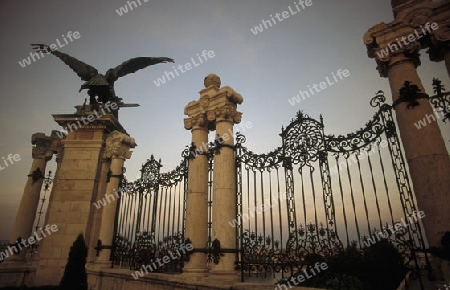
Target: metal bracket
x=218, y=144
x=188, y=254
x=101, y=247
x=109, y=175
x=215, y=252
x=36, y=175
x=410, y=94
x=193, y=152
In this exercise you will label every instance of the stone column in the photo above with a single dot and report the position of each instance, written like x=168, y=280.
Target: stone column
x=222, y=112
x=26, y=214
x=197, y=197
x=117, y=149
x=224, y=188
x=94, y=223
x=427, y=156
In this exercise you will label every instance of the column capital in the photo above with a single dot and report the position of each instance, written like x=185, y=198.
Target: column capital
x=57, y=145
x=215, y=104
x=42, y=148
x=226, y=113
x=385, y=44
x=198, y=121
x=117, y=146
x=418, y=25
x=440, y=41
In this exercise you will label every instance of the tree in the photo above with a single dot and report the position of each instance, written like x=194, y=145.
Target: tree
x=75, y=277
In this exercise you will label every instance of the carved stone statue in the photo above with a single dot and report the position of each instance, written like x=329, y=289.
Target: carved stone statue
x=101, y=87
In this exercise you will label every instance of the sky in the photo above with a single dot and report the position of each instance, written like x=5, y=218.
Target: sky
x=267, y=68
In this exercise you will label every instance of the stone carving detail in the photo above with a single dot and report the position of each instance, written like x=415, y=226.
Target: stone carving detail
x=198, y=121
x=118, y=146
x=412, y=18
x=232, y=95
x=57, y=145
x=384, y=64
x=204, y=101
x=377, y=50
x=215, y=104
x=226, y=112
x=420, y=17
x=42, y=148
x=440, y=42
x=212, y=80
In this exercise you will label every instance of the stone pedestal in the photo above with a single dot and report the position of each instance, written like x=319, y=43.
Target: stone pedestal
x=23, y=227
x=75, y=186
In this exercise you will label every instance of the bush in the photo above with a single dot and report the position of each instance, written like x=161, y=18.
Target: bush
x=75, y=277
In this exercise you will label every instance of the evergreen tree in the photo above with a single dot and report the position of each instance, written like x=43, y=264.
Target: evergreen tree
x=75, y=272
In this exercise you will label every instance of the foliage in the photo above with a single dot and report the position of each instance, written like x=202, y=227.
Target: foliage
x=75, y=277
x=379, y=266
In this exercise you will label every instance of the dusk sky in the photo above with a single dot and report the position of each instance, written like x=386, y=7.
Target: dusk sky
x=267, y=68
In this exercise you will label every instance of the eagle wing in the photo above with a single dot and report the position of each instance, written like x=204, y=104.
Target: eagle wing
x=133, y=65
x=83, y=70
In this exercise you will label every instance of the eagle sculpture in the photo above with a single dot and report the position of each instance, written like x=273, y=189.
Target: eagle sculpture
x=98, y=85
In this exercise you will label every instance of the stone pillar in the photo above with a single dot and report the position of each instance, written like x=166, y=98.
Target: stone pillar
x=117, y=149
x=197, y=197
x=427, y=156
x=224, y=188
x=425, y=150
x=76, y=184
x=95, y=220
x=215, y=110
x=222, y=114
x=23, y=227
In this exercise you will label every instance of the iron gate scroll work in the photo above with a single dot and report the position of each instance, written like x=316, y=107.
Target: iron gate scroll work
x=150, y=221
x=316, y=194
x=305, y=201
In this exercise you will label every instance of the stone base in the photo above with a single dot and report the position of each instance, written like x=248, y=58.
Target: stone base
x=98, y=265
x=194, y=275
x=122, y=279
x=17, y=273
x=229, y=277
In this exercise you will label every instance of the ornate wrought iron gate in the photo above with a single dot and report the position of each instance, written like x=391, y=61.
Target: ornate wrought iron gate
x=318, y=193
x=150, y=220
x=305, y=201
